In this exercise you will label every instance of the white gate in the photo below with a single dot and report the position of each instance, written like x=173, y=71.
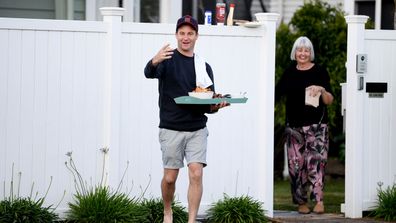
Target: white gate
x=370, y=115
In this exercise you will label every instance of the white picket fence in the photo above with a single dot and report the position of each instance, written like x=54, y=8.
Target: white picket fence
x=79, y=86
x=370, y=121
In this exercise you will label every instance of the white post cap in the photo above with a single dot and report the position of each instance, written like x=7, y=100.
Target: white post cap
x=265, y=16
x=356, y=18
x=112, y=11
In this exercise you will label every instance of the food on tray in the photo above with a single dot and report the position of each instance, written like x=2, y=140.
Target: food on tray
x=202, y=93
x=200, y=89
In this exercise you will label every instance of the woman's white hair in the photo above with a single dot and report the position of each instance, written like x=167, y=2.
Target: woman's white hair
x=302, y=42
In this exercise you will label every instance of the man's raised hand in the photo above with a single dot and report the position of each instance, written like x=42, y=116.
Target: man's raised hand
x=164, y=53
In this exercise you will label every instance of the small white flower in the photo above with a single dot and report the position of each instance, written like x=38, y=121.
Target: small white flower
x=105, y=150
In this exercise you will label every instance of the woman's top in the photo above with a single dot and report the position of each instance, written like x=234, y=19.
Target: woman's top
x=176, y=77
x=292, y=85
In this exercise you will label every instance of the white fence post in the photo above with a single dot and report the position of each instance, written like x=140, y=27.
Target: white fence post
x=354, y=120
x=266, y=108
x=111, y=121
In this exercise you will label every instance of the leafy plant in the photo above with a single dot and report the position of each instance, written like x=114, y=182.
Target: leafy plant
x=26, y=210
x=101, y=204
x=156, y=208
x=15, y=208
x=243, y=209
x=386, y=208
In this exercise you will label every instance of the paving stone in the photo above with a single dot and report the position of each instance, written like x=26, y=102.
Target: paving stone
x=293, y=216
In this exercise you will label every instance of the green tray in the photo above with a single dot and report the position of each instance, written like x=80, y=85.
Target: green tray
x=193, y=100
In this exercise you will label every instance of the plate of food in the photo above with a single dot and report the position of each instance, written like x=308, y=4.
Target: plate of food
x=201, y=93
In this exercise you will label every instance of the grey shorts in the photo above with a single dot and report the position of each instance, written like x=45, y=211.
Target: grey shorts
x=177, y=146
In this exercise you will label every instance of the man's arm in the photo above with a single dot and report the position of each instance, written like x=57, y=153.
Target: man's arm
x=150, y=71
x=214, y=108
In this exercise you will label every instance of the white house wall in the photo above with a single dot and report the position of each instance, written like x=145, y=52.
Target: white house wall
x=286, y=8
x=43, y=9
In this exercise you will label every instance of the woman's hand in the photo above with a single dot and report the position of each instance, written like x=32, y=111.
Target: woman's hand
x=314, y=90
x=327, y=98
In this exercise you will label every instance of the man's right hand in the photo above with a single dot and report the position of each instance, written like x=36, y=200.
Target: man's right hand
x=164, y=53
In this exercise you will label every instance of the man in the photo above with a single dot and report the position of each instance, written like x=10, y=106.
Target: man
x=183, y=133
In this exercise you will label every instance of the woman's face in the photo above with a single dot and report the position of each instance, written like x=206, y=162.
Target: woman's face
x=303, y=55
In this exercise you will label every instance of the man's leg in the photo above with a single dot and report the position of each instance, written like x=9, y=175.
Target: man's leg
x=195, y=172
x=168, y=186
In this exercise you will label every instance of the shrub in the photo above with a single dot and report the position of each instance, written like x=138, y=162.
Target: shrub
x=26, y=210
x=237, y=210
x=101, y=205
x=15, y=208
x=156, y=208
x=386, y=202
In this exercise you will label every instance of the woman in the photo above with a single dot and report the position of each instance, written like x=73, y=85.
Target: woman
x=306, y=86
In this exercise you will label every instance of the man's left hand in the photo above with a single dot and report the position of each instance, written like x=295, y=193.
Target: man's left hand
x=216, y=107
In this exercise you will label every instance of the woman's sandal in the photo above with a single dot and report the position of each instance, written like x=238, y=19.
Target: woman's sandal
x=319, y=208
x=303, y=209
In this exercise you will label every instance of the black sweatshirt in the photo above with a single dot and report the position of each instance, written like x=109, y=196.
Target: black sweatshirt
x=292, y=84
x=176, y=77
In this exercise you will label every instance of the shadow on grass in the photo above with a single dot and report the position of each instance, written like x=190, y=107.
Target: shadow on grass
x=333, y=195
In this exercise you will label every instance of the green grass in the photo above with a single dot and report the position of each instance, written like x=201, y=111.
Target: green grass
x=333, y=195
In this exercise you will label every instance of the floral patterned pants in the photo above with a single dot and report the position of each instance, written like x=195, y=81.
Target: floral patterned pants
x=307, y=149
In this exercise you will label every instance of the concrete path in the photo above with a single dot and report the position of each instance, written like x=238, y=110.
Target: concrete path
x=293, y=216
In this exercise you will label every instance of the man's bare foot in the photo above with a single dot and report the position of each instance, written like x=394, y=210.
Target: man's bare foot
x=168, y=217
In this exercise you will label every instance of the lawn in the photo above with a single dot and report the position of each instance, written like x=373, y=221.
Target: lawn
x=333, y=195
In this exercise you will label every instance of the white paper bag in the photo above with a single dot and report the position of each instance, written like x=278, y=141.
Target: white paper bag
x=310, y=99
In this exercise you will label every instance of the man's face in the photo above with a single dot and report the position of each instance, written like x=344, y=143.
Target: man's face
x=186, y=37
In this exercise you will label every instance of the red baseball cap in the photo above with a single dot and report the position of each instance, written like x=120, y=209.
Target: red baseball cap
x=187, y=20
